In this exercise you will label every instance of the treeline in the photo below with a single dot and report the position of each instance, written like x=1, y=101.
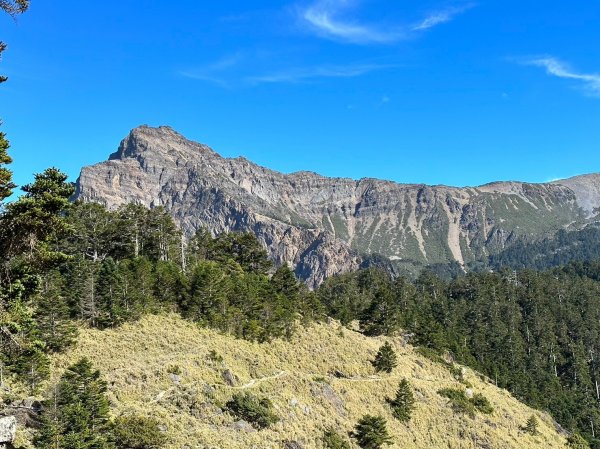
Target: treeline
x=64, y=263
x=534, y=333
x=557, y=250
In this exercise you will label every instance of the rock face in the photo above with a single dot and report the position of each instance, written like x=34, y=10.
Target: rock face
x=323, y=226
x=8, y=429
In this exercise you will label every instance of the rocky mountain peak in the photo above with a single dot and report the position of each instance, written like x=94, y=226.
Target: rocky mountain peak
x=323, y=226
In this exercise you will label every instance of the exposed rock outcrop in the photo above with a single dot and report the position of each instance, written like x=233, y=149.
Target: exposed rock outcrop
x=323, y=226
x=8, y=430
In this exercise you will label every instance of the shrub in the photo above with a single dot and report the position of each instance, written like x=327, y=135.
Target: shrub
x=333, y=440
x=385, y=360
x=459, y=400
x=462, y=404
x=137, y=432
x=174, y=369
x=214, y=356
x=371, y=432
x=481, y=403
x=576, y=441
x=404, y=402
x=258, y=411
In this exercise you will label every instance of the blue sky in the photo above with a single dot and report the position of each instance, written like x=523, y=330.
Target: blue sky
x=437, y=92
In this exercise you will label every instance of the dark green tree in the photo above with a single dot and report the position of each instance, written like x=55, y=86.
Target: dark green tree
x=257, y=411
x=209, y=292
x=244, y=249
x=403, y=403
x=52, y=314
x=76, y=414
x=371, y=432
x=385, y=359
x=111, y=311
x=36, y=220
x=383, y=316
x=6, y=184
x=531, y=426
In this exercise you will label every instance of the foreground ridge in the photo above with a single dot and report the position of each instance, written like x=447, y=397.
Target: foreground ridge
x=298, y=376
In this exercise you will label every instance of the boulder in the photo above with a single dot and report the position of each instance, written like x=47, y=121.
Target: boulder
x=8, y=429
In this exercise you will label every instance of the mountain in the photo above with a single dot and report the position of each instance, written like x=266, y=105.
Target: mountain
x=324, y=226
x=162, y=367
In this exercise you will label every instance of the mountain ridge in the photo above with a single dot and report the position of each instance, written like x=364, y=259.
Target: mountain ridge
x=324, y=226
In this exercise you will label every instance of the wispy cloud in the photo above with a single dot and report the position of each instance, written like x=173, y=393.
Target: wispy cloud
x=328, y=18
x=237, y=71
x=215, y=72
x=441, y=17
x=298, y=75
x=555, y=67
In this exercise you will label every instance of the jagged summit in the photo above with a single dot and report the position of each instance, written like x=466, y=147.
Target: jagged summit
x=163, y=139
x=324, y=226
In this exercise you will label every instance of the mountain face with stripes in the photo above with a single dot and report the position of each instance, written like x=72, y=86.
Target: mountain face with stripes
x=323, y=226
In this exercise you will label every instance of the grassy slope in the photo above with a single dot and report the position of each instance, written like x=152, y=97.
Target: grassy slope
x=135, y=360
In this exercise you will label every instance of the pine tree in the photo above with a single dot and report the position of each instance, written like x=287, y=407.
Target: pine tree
x=371, y=432
x=6, y=184
x=386, y=359
x=53, y=315
x=208, y=298
x=404, y=402
x=383, y=315
x=76, y=414
x=531, y=426
x=108, y=292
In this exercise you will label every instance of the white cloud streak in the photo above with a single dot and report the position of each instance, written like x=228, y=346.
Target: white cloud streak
x=555, y=67
x=299, y=75
x=324, y=17
x=327, y=19
x=228, y=72
x=440, y=17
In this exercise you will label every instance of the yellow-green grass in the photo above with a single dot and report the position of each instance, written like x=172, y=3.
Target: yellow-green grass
x=138, y=359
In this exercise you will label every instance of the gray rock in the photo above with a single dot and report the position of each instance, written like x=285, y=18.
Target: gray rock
x=229, y=378
x=320, y=225
x=243, y=426
x=292, y=445
x=328, y=393
x=8, y=429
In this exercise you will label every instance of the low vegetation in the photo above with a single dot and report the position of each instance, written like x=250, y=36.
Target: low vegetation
x=257, y=411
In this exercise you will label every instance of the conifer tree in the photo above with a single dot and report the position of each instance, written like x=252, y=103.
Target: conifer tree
x=386, y=359
x=6, y=184
x=383, y=315
x=76, y=414
x=404, y=403
x=12, y=7
x=53, y=315
x=108, y=293
x=371, y=432
x=531, y=426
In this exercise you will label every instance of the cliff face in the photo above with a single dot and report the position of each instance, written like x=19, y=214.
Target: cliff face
x=325, y=226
